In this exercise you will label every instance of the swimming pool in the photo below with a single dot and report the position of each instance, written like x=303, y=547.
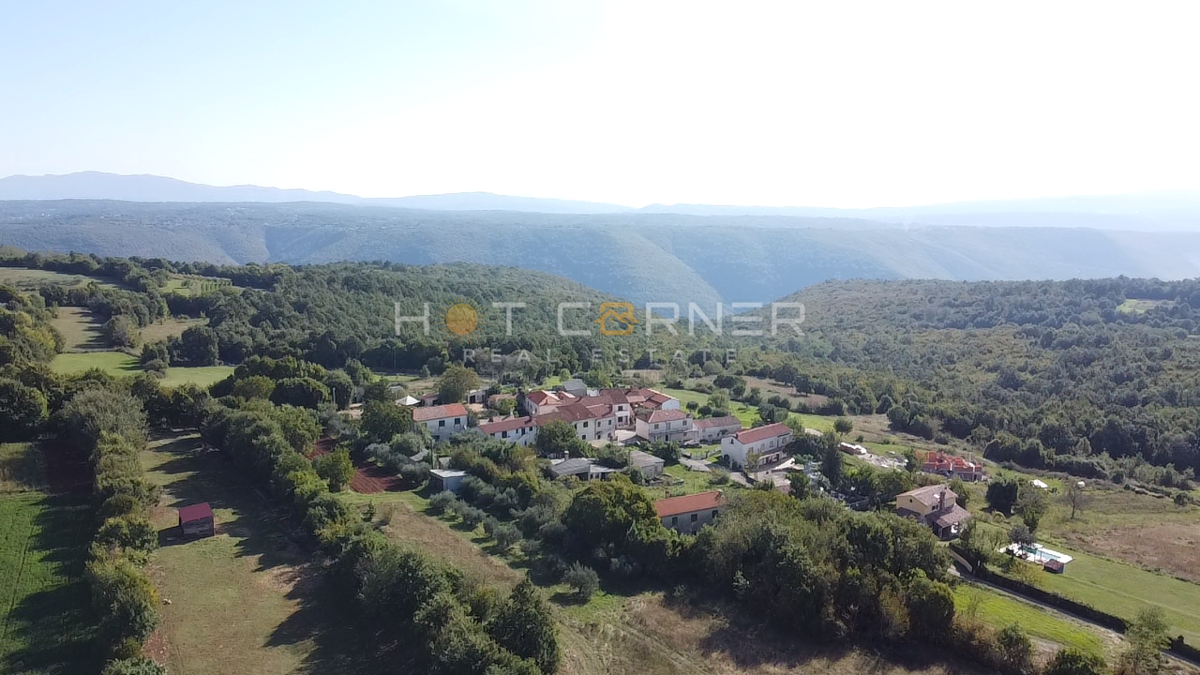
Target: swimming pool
x=1040, y=554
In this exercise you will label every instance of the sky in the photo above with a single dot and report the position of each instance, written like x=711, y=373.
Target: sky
x=840, y=104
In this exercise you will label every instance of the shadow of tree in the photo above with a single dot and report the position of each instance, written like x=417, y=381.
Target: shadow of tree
x=50, y=631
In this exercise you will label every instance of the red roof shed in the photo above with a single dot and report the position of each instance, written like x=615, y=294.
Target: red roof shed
x=195, y=512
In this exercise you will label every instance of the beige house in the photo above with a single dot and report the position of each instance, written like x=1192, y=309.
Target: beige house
x=665, y=425
x=935, y=506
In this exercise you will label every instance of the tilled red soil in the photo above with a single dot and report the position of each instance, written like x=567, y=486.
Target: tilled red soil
x=369, y=478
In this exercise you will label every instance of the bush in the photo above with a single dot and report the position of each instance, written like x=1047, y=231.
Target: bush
x=583, y=580
x=506, y=535
x=1071, y=661
x=442, y=502
x=133, y=666
x=336, y=468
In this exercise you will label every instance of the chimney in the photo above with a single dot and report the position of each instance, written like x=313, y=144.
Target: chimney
x=942, y=500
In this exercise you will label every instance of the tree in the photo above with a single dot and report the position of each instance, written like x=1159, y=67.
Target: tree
x=524, y=626
x=1072, y=661
x=341, y=388
x=1145, y=639
x=843, y=426
x=1032, y=504
x=583, y=580
x=1002, y=495
x=122, y=332
x=719, y=400
x=197, y=346
x=959, y=488
x=831, y=460
x=455, y=383
x=930, y=607
x=23, y=410
x=1016, y=650
x=801, y=487
x=336, y=468
x=382, y=420
x=255, y=386
x=1020, y=534
x=557, y=437
x=300, y=391
x=1076, y=497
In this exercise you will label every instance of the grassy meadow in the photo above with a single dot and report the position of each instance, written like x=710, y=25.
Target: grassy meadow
x=44, y=614
x=999, y=610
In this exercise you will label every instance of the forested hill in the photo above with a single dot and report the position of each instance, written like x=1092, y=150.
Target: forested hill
x=1045, y=373
x=638, y=256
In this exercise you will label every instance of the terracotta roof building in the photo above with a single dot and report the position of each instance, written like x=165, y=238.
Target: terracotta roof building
x=689, y=513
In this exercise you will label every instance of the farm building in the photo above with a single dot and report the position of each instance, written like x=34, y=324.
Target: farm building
x=447, y=479
x=197, y=520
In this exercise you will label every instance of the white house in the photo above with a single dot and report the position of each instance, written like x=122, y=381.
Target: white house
x=519, y=430
x=441, y=420
x=713, y=429
x=447, y=479
x=592, y=422
x=665, y=425
x=767, y=442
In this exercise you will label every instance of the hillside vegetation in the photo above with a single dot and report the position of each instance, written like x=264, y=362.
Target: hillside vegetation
x=636, y=256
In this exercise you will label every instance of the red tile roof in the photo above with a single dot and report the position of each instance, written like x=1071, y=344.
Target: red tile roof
x=189, y=514
x=438, y=412
x=703, y=501
x=576, y=412
x=710, y=422
x=762, y=433
x=507, y=424
x=665, y=416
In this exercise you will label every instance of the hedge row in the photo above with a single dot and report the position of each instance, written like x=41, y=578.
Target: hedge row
x=111, y=427
x=451, y=624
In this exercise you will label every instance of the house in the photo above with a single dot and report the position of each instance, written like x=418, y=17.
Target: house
x=649, y=465
x=581, y=468
x=477, y=396
x=441, y=420
x=197, y=520
x=651, y=400
x=592, y=421
x=952, y=467
x=768, y=443
x=429, y=399
x=689, y=513
x=575, y=388
x=935, y=506
x=446, y=479
x=713, y=429
x=519, y=430
x=544, y=402
x=665, y=425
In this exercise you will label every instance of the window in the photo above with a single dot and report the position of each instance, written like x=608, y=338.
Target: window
x=585, y=425
x=457, y=420
x=714, y=514
x=695, y=516
x=657, y=426
x=504, y=434
x=441, y=423
x=674, y=520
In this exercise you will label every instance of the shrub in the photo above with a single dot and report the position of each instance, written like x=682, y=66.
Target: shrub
x=133, y=666
x=1071, y=661
x=506, y=535
x=336, y=468
x=442, y=502
x=583, y=580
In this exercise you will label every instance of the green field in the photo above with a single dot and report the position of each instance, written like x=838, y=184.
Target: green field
x=193, y=285
x=203, y=376
x=998, y=610
x=1123, y=590
x=248, y=600
x=44, y=615
x=29, y=279
x=120, y=364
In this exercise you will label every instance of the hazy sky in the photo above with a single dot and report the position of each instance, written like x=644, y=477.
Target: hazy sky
x=791, y=103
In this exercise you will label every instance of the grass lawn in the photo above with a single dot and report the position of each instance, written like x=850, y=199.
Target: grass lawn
x=22, y=468
x=44, y=616
x=120, y=364
x=1123, y=590
x=114, y=363
x=998, y=610
x=168, y=328
x=743, y=412
x=203, y=376
x=79, y=327
x=29, y=279
x=693, y=482
x=248, y=600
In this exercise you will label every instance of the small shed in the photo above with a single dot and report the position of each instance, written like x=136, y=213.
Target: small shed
x=1054, y=566
x=649, y=465
x=447, y=479
x=197, y=520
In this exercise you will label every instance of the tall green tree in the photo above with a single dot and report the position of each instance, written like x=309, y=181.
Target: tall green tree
x=23, y=410
x=382, y=420
x=455, y=383
x=524, y=626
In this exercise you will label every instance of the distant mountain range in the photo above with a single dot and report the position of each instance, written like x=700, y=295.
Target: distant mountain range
x=1149, y=212
x=643, y=257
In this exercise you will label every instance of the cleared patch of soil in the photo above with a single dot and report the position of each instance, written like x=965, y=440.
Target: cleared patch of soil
x=369, y=478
